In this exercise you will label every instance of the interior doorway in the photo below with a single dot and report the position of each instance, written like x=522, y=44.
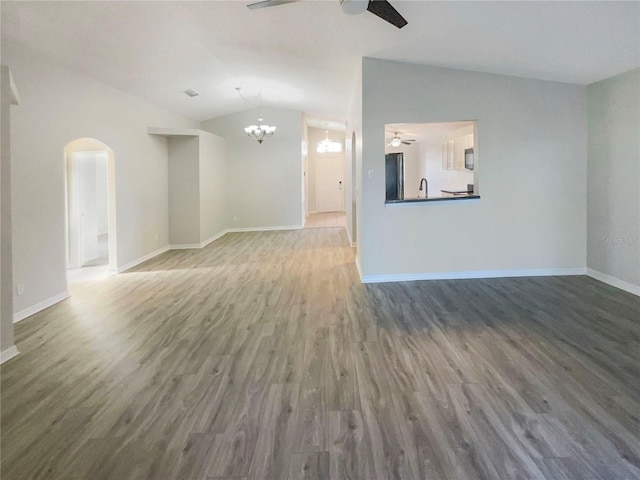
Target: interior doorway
x=90, y=194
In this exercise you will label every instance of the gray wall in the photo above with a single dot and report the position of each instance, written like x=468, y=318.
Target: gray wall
x=56, y=107
x=184, y=193
x=532, y=151
x=614, y=177
x=213, y=190
x=353, y=161
x=263, y=181
x=6, y=269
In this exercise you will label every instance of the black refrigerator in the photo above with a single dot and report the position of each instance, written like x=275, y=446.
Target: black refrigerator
x=394, y=172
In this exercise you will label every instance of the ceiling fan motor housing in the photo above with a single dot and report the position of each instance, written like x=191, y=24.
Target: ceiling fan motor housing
x=354, y=7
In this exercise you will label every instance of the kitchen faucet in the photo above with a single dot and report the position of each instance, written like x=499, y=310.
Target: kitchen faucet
x=426, y=186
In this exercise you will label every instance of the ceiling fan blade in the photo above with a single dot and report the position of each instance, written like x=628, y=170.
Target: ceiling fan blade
x=385, y=11
x=406, y=143
x=269, y=3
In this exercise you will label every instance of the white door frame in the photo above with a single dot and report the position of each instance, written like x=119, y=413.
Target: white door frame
x=86, y=145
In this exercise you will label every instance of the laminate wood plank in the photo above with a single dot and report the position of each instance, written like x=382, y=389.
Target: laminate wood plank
x=350, y=456
x=275, y=441
x=384, y=437
x=262, y=356
x=312, y=466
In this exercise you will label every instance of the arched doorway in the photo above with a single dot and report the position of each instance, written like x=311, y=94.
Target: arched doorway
x=91, y=209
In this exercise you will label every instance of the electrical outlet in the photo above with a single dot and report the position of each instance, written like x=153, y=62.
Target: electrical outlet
x=235, y=219
x=20, y=288
x=155, y=237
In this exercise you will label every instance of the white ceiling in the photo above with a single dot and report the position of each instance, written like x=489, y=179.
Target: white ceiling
x=304, y=55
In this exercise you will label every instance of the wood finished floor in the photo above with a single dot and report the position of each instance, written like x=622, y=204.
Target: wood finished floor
x=326, y=219
x=263, y=357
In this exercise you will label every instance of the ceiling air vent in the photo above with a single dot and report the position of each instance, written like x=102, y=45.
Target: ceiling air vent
x=190, y=92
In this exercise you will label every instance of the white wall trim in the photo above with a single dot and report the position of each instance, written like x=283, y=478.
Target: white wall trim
x=410, y=277
x=8, y=354
x=359, y=270
x=614, y=282
x=213, y=238
x=38, y=307
x=138, y=261
x=264, y=229
x=186, y=246
x=15, y=98
x=351, y=242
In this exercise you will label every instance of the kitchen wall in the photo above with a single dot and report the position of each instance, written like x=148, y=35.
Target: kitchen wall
x=58, y=106
x=316, y=135
x=613, y=226
x=430, y=165
x=531, y=218
x=263, y=181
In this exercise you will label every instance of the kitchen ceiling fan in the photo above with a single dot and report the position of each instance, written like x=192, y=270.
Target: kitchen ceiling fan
x=381, y=8
x=396, y=141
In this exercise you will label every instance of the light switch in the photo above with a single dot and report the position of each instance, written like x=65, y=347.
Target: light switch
x=371, y=173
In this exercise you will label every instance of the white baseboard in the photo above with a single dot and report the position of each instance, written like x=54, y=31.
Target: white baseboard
x=138, y=261
x=8, y=354
x=214, y=238
x=614, y=282
x=410, y=277
x=359, y=269
x=264, y=229
x=38, y=307
x=351, y=242
x=186, y=246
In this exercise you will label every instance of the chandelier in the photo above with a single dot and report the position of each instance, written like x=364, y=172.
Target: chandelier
x=329, y=146
x=260, y=131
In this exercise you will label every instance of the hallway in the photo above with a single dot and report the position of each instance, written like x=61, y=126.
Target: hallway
x=326, y=219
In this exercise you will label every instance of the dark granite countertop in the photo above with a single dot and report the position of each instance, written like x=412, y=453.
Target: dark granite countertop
x=434, y=199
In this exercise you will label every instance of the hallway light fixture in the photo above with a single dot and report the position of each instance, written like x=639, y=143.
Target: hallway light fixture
x=261, y=131
x=329, y=146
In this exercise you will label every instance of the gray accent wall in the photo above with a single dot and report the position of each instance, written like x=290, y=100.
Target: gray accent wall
x=532, y=166
x=184, y=194
x=213, y=189
x=613, y=246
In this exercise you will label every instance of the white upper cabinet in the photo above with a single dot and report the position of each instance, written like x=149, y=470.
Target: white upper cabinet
x=453, y=152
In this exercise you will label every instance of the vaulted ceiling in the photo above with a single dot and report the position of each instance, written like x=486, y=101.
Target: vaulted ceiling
x=304, y=55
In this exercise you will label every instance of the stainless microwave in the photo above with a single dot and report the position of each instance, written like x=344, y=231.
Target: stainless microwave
x=468, y=158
